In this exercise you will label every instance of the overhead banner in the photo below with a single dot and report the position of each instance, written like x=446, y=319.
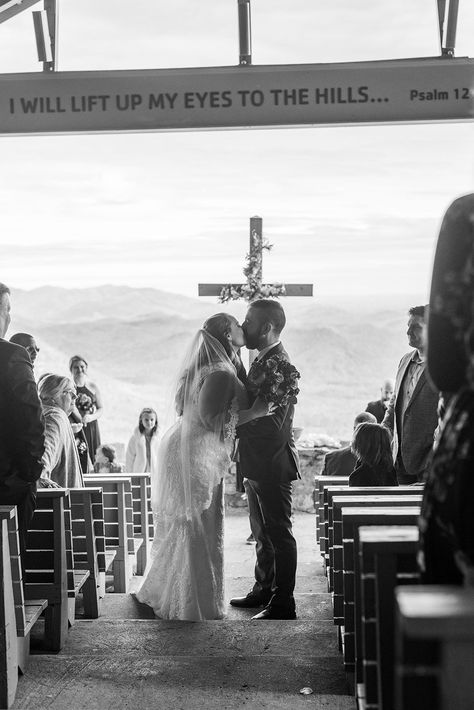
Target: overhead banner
x=396, y=91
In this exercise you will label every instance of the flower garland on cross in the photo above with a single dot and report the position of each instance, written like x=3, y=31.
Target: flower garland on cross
x=253, y=289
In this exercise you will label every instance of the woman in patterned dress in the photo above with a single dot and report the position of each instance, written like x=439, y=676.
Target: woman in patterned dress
x=447, y=516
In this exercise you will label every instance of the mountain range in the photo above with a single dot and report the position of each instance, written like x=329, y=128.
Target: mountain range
x=134, y=338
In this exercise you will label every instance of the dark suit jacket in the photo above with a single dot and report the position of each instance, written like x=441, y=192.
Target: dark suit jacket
x=266, y=445
x=377, y=408
x=419, y=422
x=21, y=421
x=339, y=463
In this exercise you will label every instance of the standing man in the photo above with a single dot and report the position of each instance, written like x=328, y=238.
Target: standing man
x=412, y=413
x=28, y=342
x=21, y=426
x=379, y=406
x=269, y=462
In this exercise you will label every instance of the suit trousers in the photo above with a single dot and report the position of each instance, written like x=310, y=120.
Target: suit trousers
x=270, y=522
x=403, y=478
x=25, y=500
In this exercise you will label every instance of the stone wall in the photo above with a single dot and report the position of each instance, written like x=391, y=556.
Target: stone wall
x=311, y=463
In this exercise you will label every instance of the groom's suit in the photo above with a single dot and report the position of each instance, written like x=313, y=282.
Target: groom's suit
x=269, y=462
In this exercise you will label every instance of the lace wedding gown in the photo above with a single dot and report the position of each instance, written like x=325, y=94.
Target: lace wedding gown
x=186, y=577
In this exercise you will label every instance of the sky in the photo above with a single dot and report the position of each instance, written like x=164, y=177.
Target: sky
x=354, y=210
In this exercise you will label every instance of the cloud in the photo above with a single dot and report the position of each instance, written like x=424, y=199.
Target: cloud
x=347, y=207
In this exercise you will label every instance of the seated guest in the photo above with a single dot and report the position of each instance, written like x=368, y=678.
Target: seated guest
x=61, y=464
x=342, y=461
x=28, y=342
x=142, y=449
x=447, y=512
x=105, y=460
x=372, y=446
x=379, y=406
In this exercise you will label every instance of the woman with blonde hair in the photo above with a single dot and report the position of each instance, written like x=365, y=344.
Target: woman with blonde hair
x=61, y=463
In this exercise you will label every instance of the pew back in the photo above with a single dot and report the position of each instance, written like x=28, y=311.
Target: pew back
x=46, y=566
x=435, y=648
x=387, y=557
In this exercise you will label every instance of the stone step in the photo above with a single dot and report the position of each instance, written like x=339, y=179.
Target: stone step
x=204, y=682
x=309, y=606
x=154, y=637
x=310, y=584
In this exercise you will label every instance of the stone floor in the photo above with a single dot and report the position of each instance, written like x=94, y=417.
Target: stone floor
x=127, y=659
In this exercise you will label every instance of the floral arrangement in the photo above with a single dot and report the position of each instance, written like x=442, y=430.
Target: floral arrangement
x=81, y=446
x=275, y=380
x=253, y=289
x=85, y=404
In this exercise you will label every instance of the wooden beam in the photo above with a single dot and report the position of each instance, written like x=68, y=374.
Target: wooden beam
x=398, y=91
x=15, y=9
x=291, y=289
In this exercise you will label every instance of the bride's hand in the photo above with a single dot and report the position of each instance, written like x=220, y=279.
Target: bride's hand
x=260, y=408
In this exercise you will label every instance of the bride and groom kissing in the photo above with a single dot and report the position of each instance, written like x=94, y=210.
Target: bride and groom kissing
x=220, y=409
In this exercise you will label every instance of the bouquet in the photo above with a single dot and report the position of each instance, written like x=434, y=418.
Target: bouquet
x=85, y=404
x=275, y=380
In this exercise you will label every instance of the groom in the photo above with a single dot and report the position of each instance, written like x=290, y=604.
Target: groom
x=269, y=462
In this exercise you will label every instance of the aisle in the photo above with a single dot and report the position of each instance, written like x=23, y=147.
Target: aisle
x=127, y=660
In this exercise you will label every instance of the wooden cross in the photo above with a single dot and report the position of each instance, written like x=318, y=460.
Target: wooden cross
x=254, y=279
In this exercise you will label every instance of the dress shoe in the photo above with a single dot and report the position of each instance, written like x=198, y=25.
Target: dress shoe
x=275, y=613
x=250, y=601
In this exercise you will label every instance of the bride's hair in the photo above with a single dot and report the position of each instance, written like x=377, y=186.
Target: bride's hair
x=209, y=348
x=219, y=326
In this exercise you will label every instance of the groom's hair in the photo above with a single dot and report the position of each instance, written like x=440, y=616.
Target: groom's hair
x=271, y=311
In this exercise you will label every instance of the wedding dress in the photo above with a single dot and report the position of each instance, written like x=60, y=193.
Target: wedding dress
x=185, y=579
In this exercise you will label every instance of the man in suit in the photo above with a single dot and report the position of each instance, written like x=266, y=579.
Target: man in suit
x=412, y=412
x=269, y=463
x=21, y=426
x=28, y=342
x=379, y=406
x=342, y=461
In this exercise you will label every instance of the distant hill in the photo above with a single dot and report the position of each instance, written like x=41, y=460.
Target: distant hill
x=135, y=338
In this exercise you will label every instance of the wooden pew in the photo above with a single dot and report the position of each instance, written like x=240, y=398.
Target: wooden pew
x=344, y=588
x=336, y=550
x=320, y=483
x=118, y=523
x=76, y=577
x=142, y=516
x=435, y=648
x=46, y=564
x=26, y=612
x=362, y=493
x=387, y=557
x=87, y=512
x=143, y=527
x=8, y=646
x=17, y=617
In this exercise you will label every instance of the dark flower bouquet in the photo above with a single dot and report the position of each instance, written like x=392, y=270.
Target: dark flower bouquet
x=275, y=380
x=85, y=404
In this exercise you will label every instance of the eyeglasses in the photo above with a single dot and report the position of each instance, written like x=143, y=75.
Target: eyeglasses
x=71, y=392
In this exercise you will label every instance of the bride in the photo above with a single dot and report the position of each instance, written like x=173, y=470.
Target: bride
x=185, y=579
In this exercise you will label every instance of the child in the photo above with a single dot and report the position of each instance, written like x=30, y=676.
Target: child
x=105, y=460
x=142, y=449
x=372, y=447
